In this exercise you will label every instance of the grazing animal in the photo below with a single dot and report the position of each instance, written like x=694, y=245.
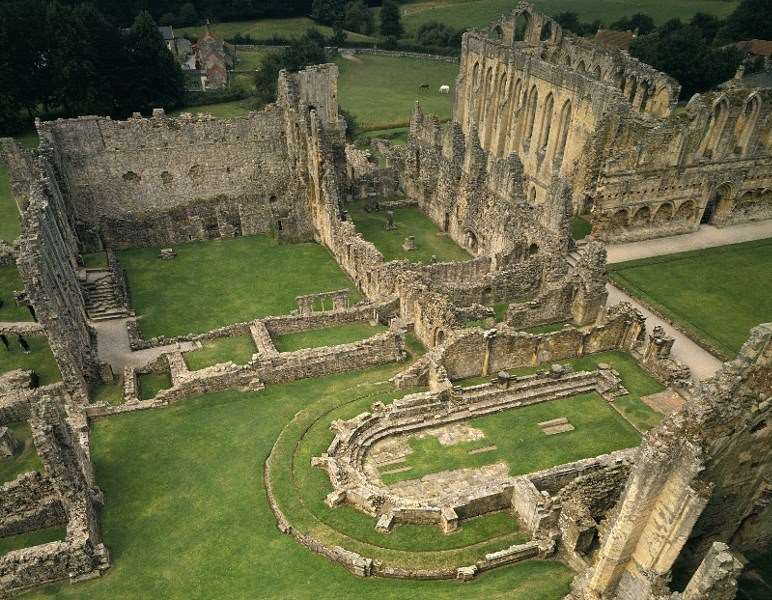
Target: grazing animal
x=424, y=87
x=444, y=89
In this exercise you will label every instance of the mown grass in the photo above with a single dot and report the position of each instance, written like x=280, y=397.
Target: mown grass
x=249, y=60
x=40, y=359
x=236, y=348
x=598, y=429
x=329, y=336
x=109, y=393
x=152, y=383
x=463, y=14
x=580, y=228
x=214, y=283
x=264, y=29
x=11, y=282
x=186, y=515
x=10, y=226
x=429, y=240
x=25, y=461
x=716, y=295
x=27, y=540
x=381, y=91
x=637, y=382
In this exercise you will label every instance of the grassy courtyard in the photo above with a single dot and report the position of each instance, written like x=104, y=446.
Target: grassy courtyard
x=27, y=540
x=40, y=360
x=25, y=461
x=186, y=515
x=716, y=295
x=521, y=443
x=214, y=283
x=328, y=336
x=636, y=381
x=9, y=283
x=381, y=91
x=236, y=348
x=9, y=213
x=429, y=240
x=152, y=383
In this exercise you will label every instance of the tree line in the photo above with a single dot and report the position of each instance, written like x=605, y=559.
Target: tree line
x=59, y=59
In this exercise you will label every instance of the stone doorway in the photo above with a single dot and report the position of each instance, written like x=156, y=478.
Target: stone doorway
x=710, y=210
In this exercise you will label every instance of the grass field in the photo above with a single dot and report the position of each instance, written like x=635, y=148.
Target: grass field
x=221, y=110
x=715, y=295
x=186, y=514
x=381, y=91
x=246, y=278
x=329, y=336
x=27, y=460
x=236, y=348
x=40, y=360
x=249, y=60
x=110, y=393
x=520, y=443
x=152, y=383
x=9, y=214
x=27, y=540
x=264, y=29
x=9, y=283
x=467, y=14
x=637, y=381
x=410, y=220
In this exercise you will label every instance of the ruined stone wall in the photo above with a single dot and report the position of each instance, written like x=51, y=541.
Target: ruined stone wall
x=606, y=123
x=164, y=181
x=700, y=477
x=29, y=503
x=47, y=263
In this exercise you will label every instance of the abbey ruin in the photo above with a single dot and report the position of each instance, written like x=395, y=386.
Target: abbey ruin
x=546, y=125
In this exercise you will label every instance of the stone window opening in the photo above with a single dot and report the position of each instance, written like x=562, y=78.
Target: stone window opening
x=546, y=32
x=546, y=126
x=715, y=128
x=533, y=249
x=166, y=177
x=131, y=176
x=746, y=124
x=530, y=116
x=563, y=129
x=522, y=22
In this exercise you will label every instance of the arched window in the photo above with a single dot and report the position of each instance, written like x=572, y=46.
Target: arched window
x=715, y=128
x=521, y=26
x=746, y=124
x=476, y=76
x=644, y=95
x=530, y=116
x=632, y=88
x=565, y=125
x=532, y=195
x=597, y=72
x=546, y=32
x=580, y=67
x=546, y=123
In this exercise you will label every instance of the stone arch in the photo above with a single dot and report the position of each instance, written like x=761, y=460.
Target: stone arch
x=470, y=239
x=522, y=25
x=530, y=115
x=664, y=214
x=597, y=72
x=546, y=32
x=476, y=75
x=532, y=195
x=581, y=67
x=659, y=102
x=715, y=127
x=563, y=129
x=685, y=212
x=533, y=249
x=546, y=122
x=644, y=94
x=746, y=123
x=632, y=88
x=497, y=32
x=620, y=219
x=642, y=217
x=567, y=59
x=720, y=203
x=439, y=337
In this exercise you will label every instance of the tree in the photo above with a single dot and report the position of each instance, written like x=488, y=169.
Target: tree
x=188, y=15
x=752, y=19
x=356, y=17
x=640, y=22
x=391, y=21
x=707, y=24
x=435, y=34
x=154, y=77
x=570, y=22
x=327, y=12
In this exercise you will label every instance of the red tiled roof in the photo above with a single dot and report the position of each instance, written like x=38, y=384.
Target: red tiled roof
x=614, y=39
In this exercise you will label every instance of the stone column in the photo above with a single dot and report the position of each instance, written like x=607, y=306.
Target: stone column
x=305, y=304
x=716, y=577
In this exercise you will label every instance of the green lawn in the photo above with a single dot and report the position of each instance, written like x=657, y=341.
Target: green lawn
x=27, y=540
x=152, y=383
x=110, y=393
x=221, y=110
x=463, y=14
x=429, y=240
x=214, y=283
x=10, y=282
x=636, y=381
x=95, y=260
x=249, y=60
x=236, y=348
x=24, y=462
x=186, y=515
x=717, y=295
x=381, y=91
x=40, y=360
x=522, y=444
x=264, y=29
x=329, y=336
x=10, y=227
x=580, y=228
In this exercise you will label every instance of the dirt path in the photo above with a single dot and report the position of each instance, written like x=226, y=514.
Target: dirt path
x=113, y=346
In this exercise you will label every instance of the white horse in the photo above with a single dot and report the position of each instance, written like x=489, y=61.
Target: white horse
x=444, y=89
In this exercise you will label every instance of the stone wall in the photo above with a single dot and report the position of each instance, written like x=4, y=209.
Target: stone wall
x=29, y=503
x=564, y=106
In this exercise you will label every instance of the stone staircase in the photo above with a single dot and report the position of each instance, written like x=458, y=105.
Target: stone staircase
x=102, y=300
x=573, y=256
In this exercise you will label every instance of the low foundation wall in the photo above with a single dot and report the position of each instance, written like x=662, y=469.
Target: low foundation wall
x=29, y=503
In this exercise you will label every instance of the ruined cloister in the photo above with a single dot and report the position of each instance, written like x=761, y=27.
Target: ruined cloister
x=545, y=126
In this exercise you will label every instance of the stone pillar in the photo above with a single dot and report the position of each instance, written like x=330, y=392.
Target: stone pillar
x=340, y=300
x=716, y=577
x=659, y=346
x=305, y=304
